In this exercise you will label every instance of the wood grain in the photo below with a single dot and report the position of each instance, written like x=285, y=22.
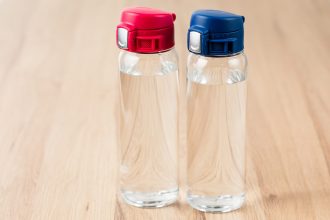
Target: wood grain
x=59, y=108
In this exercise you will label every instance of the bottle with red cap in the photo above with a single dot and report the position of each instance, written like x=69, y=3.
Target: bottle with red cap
x=148, y=66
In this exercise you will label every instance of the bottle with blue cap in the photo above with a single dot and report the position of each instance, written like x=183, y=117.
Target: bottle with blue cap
x=216, y=93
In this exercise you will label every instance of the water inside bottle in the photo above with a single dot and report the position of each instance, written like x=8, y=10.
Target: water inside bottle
x=216, y=139
x=149, y=137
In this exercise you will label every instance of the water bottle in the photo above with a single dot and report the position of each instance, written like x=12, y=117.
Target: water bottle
x=216, y=93
x=148, y=65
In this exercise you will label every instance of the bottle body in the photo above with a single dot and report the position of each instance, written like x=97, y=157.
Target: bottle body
x=148, y=128
x=216, y=131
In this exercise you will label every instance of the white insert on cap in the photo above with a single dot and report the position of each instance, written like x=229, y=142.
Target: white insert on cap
x=195, y=42
x=122, y=38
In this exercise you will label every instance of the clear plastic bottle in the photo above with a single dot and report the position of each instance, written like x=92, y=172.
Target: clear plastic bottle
x=216, y=94
x=149, y=115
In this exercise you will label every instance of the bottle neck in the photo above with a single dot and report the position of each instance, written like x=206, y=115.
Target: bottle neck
x=150, y=53
x=220, y=56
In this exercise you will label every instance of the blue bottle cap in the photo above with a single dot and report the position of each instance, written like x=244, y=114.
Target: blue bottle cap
x=215, y=33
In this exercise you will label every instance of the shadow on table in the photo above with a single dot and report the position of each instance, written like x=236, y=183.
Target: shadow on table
x=177, y=211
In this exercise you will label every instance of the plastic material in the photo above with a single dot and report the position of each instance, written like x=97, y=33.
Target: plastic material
x=216, y=106
x=146, y=30
x=215, y=33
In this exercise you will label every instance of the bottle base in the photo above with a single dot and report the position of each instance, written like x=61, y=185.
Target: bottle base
x=222, y=203
x=150, y=199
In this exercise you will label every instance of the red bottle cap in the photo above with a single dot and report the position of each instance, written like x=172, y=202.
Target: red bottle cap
x=145, y=30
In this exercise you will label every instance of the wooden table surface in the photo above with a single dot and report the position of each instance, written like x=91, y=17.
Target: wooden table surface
x=59, y=108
